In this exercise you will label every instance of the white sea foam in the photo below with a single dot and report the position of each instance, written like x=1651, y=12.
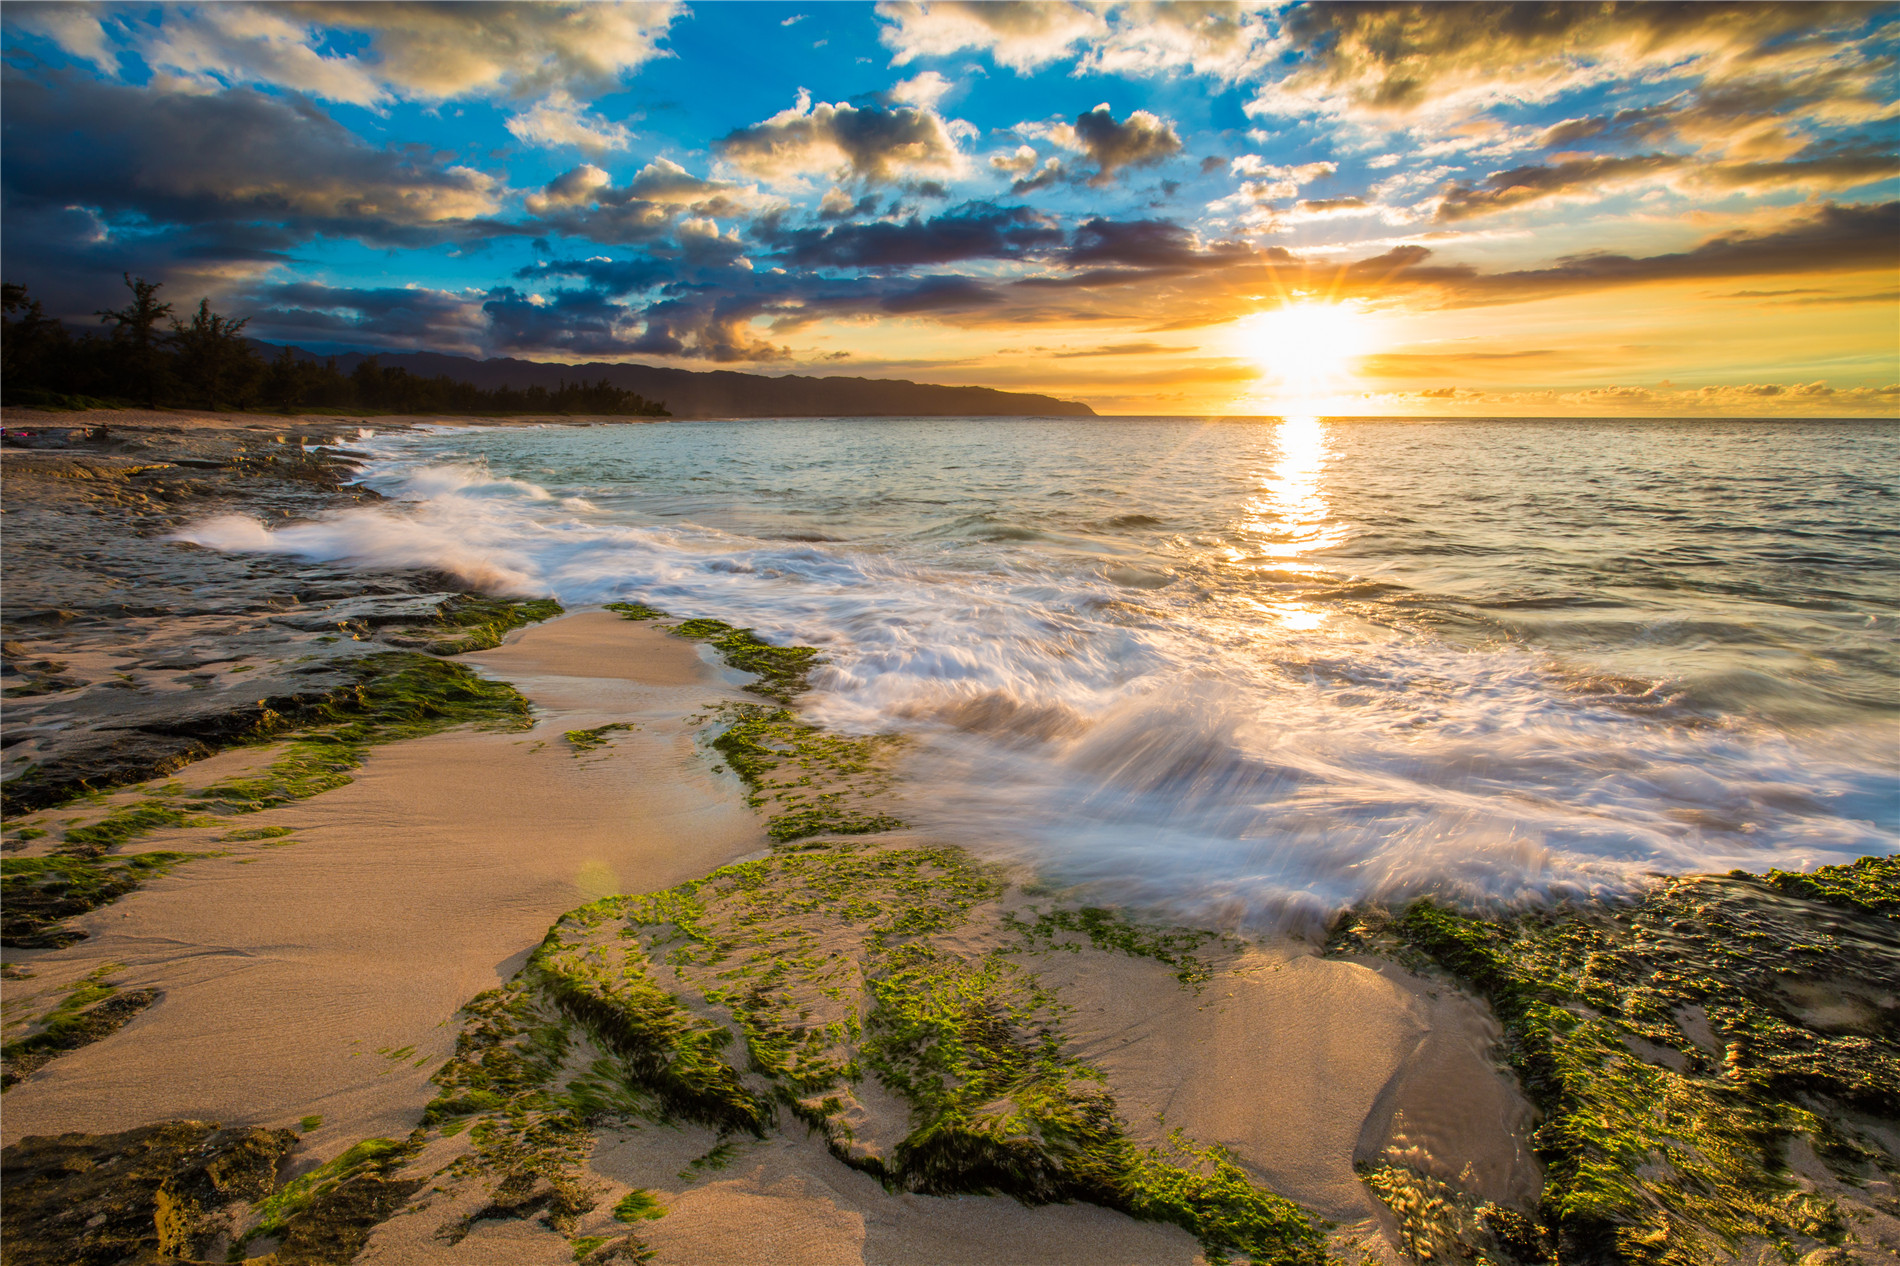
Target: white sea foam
x=1137, y=720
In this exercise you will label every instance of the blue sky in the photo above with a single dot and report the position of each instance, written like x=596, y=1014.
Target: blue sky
x=1154, y=207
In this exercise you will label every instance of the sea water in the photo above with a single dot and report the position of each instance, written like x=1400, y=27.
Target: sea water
x=1252, y=671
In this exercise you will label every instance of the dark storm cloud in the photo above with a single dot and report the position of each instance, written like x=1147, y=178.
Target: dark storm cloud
x=1840, y=166
x=1149, y=244
x=572, y=322
x=368, y=317
x=1140, y=140
x=975, y=230
x=235, y=157
x=1834, y=238
x=938, y=294
x=608, y=276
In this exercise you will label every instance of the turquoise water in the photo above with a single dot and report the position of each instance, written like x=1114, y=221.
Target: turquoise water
x=1256, y=670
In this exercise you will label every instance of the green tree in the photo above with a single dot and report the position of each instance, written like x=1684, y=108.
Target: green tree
x=214, y=362
x=31, y=343
x=132, y=331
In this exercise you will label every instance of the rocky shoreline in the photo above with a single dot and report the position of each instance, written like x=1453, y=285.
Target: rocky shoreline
x=1709, y=1072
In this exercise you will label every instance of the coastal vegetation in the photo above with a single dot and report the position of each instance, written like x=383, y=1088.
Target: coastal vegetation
x=784, y=984
x=393, y=695
x=1710, y=1060
x=1684, y=1050
x=150, y=358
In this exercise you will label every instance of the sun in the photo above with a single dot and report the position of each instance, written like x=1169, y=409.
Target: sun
x=1308, y=349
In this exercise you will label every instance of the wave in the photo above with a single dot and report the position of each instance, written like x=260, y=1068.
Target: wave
x=1243, y=753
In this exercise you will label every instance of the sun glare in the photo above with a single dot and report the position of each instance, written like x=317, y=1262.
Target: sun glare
x=1307, y=350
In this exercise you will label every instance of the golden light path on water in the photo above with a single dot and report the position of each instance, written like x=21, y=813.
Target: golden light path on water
x=1290, y=516
x=1139, y=654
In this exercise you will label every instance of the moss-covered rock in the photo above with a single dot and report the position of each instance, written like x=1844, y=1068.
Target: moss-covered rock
x=834, y=964
x=783, y=671
x=395, y=695
x=1676, y=1045
x=161, y=1192
x=95, y=1008
x=474, y=622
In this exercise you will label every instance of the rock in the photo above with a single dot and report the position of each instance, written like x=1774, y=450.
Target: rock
x=160, y=1191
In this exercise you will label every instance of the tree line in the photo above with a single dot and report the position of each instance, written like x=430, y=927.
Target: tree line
x=148, y=357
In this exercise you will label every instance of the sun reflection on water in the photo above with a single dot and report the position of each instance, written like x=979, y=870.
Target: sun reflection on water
x=1290, y=516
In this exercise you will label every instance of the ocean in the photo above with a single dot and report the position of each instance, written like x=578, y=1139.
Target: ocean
x=1249, y=672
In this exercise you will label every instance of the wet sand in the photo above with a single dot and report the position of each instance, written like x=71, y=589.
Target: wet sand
x=425, y=881
x=321, y=974
x=323, y=977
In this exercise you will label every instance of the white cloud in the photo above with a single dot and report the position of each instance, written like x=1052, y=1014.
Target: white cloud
x=424, y=52
x=560, y=120
x=74, y=27
x=574, y=188
x=1274, y=180
x=843, y=142
x=924, y=90
x=1223, y=40
x=1019, y=34
x=1019, y=163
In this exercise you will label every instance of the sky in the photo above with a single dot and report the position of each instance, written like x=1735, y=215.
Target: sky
x=1540, y=209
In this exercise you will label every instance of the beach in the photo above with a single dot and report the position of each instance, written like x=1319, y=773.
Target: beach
x=621, y=949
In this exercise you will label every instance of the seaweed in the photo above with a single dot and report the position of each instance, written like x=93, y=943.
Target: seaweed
x=666, y=1051
x=639, y=1205
x=635, y=611
x=324, y=1217
x=94, y=1009
x=480, y=623
x=156, y=1193
x=783, y=671
x=1871, y=884
x=1111, y=930
x=121, y=825
x=395, y=695
x=1670, y=1053
x=591, y=740
x=808, y=775
x=37, y=894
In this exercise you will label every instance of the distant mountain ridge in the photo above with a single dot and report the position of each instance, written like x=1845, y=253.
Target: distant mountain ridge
x=725, y=393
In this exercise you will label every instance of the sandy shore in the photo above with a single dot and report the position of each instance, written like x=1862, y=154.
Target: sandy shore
x=425, y=881
x=319, y=973
x=315, y=972
x=321, y=976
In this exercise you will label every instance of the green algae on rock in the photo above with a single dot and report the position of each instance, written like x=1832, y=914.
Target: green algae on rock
x=326, y=1215
x=157, y=1193
x=635, y=611
x=38, y=894
x=833, y=964
x=1871, y=884
x=808, y=776
x=94, y=1009
x=782, y=670
x=1676, y=1047
x=1440, y=1223
x=395, y=695
x=585, y=741
x=1111, y=930
x=474, y=622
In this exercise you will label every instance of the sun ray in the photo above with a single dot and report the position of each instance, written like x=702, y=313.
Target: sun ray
x=1307, y=351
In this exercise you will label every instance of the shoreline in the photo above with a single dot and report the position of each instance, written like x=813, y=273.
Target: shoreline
x=1320, y=1072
